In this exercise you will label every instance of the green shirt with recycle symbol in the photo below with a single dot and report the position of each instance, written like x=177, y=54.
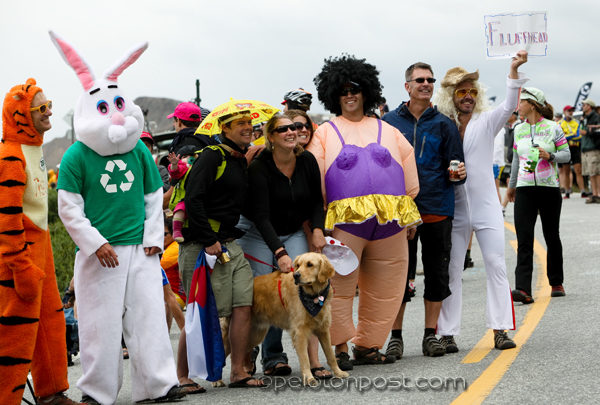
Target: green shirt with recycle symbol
x=113, y=189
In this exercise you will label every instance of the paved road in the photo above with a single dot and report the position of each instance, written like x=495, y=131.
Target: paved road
x=556, y=361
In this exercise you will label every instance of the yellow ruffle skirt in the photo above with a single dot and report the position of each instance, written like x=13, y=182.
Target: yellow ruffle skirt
x=386, y=208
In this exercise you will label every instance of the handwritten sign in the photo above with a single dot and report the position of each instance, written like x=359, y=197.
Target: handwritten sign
x=508, y=33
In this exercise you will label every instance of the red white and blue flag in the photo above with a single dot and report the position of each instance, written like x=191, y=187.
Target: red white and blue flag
x=206, y=355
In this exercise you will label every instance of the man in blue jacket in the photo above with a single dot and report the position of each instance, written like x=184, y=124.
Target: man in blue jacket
x=436, y=141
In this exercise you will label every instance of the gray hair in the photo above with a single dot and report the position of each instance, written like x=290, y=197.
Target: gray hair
x=418, y=65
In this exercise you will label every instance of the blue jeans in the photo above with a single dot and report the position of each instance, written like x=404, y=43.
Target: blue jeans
x=253, y=244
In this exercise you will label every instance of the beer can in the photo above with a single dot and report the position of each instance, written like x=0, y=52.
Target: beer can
x=454, y=170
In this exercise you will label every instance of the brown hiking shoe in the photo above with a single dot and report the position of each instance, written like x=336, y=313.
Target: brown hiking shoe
x=58, y=399
x=432, y=347
x=502, y=341
x=449, y=344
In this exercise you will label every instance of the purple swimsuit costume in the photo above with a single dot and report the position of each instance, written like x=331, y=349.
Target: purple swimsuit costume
x=364, y=172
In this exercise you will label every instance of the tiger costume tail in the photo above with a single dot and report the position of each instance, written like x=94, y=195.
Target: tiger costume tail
x=32, y=323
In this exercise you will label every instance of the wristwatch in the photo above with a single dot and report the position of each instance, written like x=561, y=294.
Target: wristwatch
x=551, y=158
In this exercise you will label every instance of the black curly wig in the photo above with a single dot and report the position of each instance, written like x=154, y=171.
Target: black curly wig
x=340, y=70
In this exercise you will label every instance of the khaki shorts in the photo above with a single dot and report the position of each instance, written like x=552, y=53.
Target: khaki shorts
x=188, y=253
x=232, y=282
x=590, y=163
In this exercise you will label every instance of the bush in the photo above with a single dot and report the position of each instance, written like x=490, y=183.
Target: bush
x=63, y=249
x=53, y=206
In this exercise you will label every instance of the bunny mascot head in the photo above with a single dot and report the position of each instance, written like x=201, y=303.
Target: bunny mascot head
x=106, y=120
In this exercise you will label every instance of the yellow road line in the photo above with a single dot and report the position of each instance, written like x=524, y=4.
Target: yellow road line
x=485, y=383
x=481, y=349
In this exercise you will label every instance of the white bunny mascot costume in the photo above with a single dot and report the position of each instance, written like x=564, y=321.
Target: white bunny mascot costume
x=110, y=192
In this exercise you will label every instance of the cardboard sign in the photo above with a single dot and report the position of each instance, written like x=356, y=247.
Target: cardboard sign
x=508, y=33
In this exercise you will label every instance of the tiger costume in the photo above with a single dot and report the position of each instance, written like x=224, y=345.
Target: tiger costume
x=32, y=323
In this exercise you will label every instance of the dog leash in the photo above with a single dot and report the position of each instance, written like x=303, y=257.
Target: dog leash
x=279, y=290
x=254, y=259
x=247, y=256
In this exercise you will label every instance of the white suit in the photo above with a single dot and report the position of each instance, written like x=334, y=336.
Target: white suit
x=478, y=209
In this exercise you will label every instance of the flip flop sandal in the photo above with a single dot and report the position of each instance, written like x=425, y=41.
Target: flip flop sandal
x=253, y=371
x=320, y=377
x=125, y=354
x=362, y=357
x=244, y=383
x=253, y=360
x=280, y=371
x=175, y=393
x=198, y=389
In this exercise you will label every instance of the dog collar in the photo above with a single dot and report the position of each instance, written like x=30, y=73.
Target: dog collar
x=314, y=303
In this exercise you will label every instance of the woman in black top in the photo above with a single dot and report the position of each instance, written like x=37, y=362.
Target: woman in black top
x=284, y=192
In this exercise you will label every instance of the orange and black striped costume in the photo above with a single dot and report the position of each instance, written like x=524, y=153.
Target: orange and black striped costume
x=32, y=323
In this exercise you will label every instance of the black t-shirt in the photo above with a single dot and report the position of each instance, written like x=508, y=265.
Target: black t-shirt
x=219, y=200
x=278, y=205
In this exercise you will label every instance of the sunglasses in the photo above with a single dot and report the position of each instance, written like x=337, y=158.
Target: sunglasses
x=43, y=108
x=354, y=90
x=284, y=128
x=463, y=92
x=300, y=125
x=421, y=80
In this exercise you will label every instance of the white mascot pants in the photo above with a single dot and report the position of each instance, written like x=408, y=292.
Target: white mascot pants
x=124, y=300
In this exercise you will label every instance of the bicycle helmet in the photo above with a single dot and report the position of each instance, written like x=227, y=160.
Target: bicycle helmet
x=298, y=99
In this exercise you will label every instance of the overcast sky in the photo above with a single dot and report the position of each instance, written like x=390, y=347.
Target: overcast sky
x=261, y=49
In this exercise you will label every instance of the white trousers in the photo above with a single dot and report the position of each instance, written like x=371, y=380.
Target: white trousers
x=485, y=218
x=125, y=300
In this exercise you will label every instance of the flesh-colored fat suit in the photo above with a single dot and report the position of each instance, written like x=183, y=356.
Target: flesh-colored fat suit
x=381, y=275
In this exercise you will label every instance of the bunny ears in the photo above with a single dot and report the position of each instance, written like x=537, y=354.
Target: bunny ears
x=82, y=68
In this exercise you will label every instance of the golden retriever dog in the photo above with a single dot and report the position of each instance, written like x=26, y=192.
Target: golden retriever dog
x=312, y=272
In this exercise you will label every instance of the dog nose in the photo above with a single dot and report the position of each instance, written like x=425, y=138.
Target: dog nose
x=296, y=275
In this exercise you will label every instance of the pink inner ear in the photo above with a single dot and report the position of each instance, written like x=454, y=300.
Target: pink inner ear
x=82, y=71
x=132, y=58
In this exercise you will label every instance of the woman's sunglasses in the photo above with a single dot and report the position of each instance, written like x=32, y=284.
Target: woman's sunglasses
x=463, y=92
x=421, y=80
x=300, y=125
x=284, y=128
x=43, y=108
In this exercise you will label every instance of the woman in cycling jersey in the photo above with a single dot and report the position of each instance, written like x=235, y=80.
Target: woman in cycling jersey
x=539, y=144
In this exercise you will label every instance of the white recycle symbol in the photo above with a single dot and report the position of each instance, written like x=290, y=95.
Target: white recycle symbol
x=110, y=166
